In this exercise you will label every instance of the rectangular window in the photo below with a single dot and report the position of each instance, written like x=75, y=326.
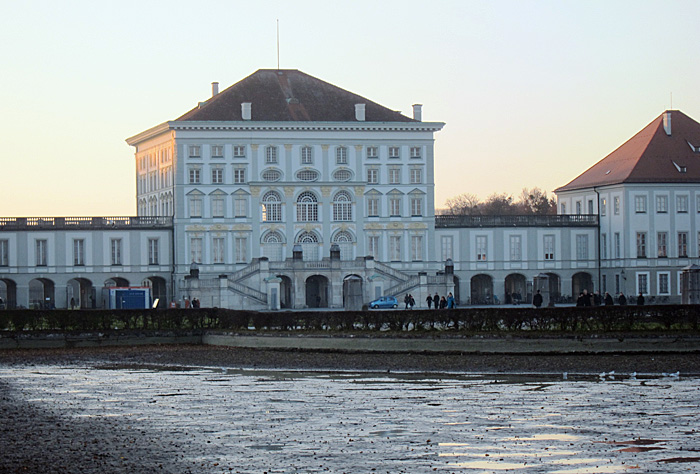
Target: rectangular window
x=661, y=204
x=241, y=244
x=395, y=248
x=604, y=283
x=78, y=252
x=271, y=154
x=682, y=204
x=640, y=204
x=306, y=155
x=446, y=247
x=394, y=152
x=416, y=206
x=415, y=152
x=604, y=246
x=195, y=207
x=194, y=151
x=662, y=244
x=240, y=207
x=272, y=212
x=342, y=211
x=218, y=249
x=481, y=247
x=373, y=207
x=394, y=175
x=239, y=175
x=581, y=247
x=682, y=244
x=416, y=176
x=217, y=151
x=590, y=206
x=643, y=283
x=239, y=151
x=394, y=207
x=616, y=205
x=196, y=249
x=578, y=208
x=663, y=281
x=341, y=155
x=617, y=284
x=516, y=250
x=641, y=244
x=373, y=246
x=372, y=152
x=153, y=251
x=549, y=247
x=41, y=253
x=416, y=248
x=563, y=208
x=603, y=206
x=372, y=176
x=4, y=253
x=116, y=246
x=217, y=176
x=617, y=245
x=194, y=176
x=217, y=207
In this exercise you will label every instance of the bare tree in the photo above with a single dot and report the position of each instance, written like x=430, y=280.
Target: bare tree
x=465, y=204
x=531, y=201
x=536, y=201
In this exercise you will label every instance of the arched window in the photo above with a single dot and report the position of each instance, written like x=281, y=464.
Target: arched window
x=309, y=246
x=307, y=207
x=342, y=206
x=271, y=207
x=344, y=240
x=272, y=246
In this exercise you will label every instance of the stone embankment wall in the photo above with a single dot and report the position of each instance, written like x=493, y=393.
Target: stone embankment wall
x=589, y=344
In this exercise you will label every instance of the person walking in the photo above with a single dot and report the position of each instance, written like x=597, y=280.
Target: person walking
x=608, y=299
x=406, y=301
x=640, y=299
x=537, y=299
x=429, y=301
x=436, y=301
x=443, y=303
x=450, y=300
x=622, y=299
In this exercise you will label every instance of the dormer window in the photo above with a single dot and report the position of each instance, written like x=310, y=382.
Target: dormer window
x=681, y=169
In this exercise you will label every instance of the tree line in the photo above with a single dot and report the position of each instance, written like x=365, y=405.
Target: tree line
x=530, y=202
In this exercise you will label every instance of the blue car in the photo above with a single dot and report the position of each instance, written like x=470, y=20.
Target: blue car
x=384, y=302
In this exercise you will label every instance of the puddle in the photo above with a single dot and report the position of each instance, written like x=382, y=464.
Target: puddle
x=232, y=420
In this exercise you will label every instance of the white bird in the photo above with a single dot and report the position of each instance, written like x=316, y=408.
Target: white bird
x=633, y=375
x=565, y=375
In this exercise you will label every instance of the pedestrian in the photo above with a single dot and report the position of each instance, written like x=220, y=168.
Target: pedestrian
x=72, y=303
x=537, y=299
x=640, y=299
x=586, y=298
x=450, y=300
x=436, y=301
x=608, y=299
x=411, y=301
x=429, y=301
x=596, y=299
x=622, y=299
x=187, y=303
x=406, y=301
x=443, y=303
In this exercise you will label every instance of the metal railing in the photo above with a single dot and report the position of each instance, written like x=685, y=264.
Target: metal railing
x=559, y=220
x=392, y=272
x=412, y=282
x=248, y=291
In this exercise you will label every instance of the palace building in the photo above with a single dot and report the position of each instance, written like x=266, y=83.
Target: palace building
x=285, y=191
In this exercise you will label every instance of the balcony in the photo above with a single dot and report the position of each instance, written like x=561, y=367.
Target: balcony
x=84, y=223
x=563, y=220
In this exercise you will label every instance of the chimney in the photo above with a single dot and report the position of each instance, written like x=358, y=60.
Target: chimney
x=214, y=88
x=418, y=112
x=360, y=112
x=246, y=110
x=667, y=122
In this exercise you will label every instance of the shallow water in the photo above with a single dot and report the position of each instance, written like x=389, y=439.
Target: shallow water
x=229, y=420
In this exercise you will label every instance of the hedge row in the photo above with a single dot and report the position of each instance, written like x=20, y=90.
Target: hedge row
x=492, y=319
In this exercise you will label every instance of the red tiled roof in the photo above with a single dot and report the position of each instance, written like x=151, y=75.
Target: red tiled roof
x=649, y=157
x=289, y=95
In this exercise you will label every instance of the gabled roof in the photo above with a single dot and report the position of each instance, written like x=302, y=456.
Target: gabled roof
x=651, y=156
x=289, y=95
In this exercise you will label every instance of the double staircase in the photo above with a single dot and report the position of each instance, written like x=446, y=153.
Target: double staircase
x=403, y=281
x=234, y=282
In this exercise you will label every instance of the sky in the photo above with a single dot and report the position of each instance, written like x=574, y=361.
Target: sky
x=533, y=93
